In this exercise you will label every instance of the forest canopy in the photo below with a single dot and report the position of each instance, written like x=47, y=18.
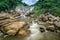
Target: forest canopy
x=42, y=6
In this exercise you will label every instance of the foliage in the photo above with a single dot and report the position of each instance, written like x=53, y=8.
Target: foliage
x=7, y=4
x=52, y=6
x=42, y=6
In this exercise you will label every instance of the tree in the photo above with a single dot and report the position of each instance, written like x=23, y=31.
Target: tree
x=8, y=4
x=52, y=6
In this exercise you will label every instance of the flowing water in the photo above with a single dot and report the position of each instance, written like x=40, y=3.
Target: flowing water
x=35, y=33
x=38, y=36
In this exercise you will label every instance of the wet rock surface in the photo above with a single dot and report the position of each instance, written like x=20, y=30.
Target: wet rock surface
x=10, y=25
x=33, y=27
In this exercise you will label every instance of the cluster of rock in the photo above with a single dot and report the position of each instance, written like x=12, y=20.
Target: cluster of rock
x=9, y=25
x=49, y=22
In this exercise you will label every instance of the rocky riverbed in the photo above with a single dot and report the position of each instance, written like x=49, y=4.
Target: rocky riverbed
x=32, y=27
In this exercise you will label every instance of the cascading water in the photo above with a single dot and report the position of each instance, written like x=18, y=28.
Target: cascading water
x=35, y=32
x=25, y=10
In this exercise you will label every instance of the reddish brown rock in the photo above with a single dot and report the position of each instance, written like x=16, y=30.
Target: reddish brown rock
x=23, y=33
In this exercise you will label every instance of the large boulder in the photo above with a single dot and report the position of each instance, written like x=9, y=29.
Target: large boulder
x=50, y=28
x=23, y=33
x=9, y=25
x=57, y=23
x=13, y=28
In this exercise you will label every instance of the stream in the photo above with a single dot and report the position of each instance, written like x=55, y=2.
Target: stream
x=35, y=34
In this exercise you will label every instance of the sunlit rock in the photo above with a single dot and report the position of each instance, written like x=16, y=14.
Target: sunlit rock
x=13, y=28
x=23, y=33
x=11, y=32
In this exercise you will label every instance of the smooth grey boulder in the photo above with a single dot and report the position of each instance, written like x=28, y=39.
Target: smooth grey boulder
x=57, y=23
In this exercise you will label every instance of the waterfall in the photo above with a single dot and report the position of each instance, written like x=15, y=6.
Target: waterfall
x=24, y=10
